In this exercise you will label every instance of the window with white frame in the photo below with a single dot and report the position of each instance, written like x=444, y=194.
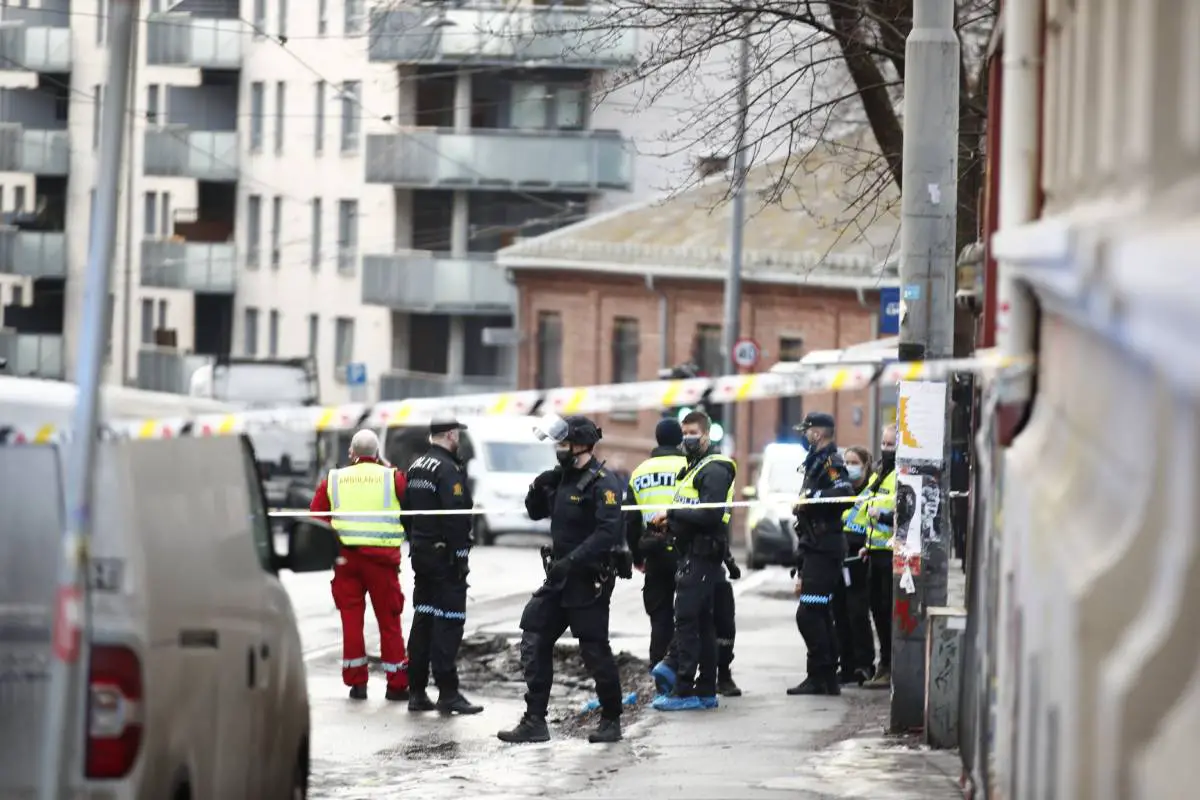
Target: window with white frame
x=253, y=229
x=319, y=119
x=260, y=18
x=281, y=23
x=258, y=102
x=250, y=335
x=276, y=231
x=350, y=116
x=322, y=17
x=315, y=237
x=355, y=17
x=343, y=342
x=273, y=334
x=280, y=116
x=147, y=321
x=347, y=235
x=314, y=334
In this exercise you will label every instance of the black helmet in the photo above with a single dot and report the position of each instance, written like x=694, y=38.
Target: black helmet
x=574, y=429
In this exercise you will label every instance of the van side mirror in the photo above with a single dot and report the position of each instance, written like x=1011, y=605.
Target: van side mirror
x=312, y=546
x=749, y=492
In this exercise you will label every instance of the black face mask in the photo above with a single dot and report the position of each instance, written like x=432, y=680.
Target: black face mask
x=889, y=459
x=692, y=445
x=565, y=457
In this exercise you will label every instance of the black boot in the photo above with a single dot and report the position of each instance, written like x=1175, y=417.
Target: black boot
x=810, y=685
x=608, y=731
x=397, y=695
x=726, y=687
x=457, y=705
x=846, y=676
x=863, y=674
x=418, y=700
x=831, y=684
x=358, y=692
x=529, y=730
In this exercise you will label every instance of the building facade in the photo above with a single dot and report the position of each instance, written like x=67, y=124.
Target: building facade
x=313, y=178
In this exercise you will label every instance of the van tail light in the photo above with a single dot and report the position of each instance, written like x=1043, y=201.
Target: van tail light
x=114, y=715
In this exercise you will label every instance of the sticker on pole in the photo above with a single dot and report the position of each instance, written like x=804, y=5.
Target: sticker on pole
x=68, y=621
x=746, y=353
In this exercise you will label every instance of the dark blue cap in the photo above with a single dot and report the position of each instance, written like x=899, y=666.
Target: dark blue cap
x=668, y=432
x=817, y=419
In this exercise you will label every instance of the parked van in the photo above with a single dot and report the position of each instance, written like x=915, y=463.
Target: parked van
x=769, y=535
x=195, y=670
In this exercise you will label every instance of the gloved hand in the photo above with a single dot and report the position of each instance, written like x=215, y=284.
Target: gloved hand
x=548, y=478
x=559, y=570
x=735, y=571
x=793, y=572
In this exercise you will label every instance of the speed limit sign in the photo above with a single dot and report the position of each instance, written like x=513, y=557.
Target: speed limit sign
x=746, y=353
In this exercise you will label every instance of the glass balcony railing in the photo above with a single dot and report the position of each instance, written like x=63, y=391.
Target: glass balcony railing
x=435, y=283
x=181, y=40
x=165, y=369
x=207, y=267
x=176, y=151
x=34, y=48
x=32, y=355
x=33, y=254
x=40, y=152
x=565, y=161
x=404, y=384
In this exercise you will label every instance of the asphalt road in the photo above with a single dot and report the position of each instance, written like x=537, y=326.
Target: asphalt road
x=762, y=745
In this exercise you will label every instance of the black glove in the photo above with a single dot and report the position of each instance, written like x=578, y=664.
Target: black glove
x=559, y=570
x=792, y=572
x=548, y=478
x=735, y=572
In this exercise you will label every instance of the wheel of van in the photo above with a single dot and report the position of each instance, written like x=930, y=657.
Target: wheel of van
x=483, y=534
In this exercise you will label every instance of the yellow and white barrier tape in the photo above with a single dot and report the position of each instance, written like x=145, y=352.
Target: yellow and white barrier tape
x=645, y=395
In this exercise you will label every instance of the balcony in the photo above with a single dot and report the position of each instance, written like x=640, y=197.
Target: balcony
x=34, y=48
x=207, y=267
x=181, y=40
x=33, y=254
x=403, y=384
x=32, y=355
x=435, y=283
x=165, y=369
x=525, y=35
x=176, y=151
x=564, y=161
x=40, y=152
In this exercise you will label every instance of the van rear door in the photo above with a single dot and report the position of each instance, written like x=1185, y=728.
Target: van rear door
x=30, y=530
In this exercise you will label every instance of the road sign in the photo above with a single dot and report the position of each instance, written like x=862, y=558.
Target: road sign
x=356, y=373
x=889, y=310
x=746, y=353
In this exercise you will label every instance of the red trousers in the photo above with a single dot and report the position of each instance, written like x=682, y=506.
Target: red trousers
x=355, y=575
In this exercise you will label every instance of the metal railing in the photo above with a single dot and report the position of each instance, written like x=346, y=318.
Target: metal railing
x=437, y=283
x=32, y=355
x=33, y=254
x=185, y=41
x=41, y=152
x=37, y=49
x=209, y=267
x=177, y=151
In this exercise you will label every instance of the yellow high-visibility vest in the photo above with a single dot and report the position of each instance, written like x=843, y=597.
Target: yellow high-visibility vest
x=653, y=482
x=365, y=487
x=686, y=491
x=856, y=519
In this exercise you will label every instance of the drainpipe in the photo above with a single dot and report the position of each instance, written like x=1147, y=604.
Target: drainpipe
x=664, y=349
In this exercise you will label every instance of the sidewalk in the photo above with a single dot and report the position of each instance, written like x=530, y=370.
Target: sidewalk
x=768, y=745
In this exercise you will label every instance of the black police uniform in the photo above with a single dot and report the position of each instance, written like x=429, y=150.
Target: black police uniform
x=439, y=548
x=702, y=540
x=584, y=507
x=822, y=548
x=725, y=623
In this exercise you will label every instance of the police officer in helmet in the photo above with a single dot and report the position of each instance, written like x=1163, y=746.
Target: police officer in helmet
x=822, y=548
x=583, y=502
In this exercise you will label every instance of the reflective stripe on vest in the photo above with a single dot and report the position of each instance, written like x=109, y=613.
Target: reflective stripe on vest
x=879, y=534
x=365, y=487
x=653, y=482
x=686, y=491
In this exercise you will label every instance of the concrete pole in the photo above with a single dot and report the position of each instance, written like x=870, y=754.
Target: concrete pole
x=61, y=764
x=733, y=283
x=927, y=275
x=127, y=285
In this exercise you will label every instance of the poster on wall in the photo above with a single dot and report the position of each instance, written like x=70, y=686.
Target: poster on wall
x=921, y=422
x=908, y=513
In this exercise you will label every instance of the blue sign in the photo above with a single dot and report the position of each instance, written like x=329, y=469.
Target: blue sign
x=889, y=311
x=356, y=373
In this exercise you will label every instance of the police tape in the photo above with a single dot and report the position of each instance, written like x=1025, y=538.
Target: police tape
x=600, y=399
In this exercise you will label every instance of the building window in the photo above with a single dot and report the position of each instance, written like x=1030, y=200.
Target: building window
x=791, y=409
x=150, y=214
x=167, y=228
x=162, y=314
x=276, y=231
x=97, y=113
x=347, y=235
x=315, y=239
x=253, y=229
x=260, y=18
x=350, y=116
x=101, y=22
x=147, y=321
x=354, y=17
x=706, y=349
x=251, y=334
x=319, y=119
x=281, y=23
x=314, y=334
x=280, y=106
x=626, y=345
x=152, y=100
x=549, y=350
x=273, y=334
x=18, y=295
x=258, y=102
x=322, y=17
x=343, y=342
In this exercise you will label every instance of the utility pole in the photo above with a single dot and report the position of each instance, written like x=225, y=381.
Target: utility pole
x=127, y=287
x=61, y=764
x=733, y=284
x=927, y=276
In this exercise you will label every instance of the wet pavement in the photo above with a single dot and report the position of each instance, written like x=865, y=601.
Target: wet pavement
x=762, y=745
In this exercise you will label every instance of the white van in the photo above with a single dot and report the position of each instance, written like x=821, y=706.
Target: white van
x=196, y=675
x=775, y=489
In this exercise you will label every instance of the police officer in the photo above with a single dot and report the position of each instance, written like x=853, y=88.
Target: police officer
x=583, y=502
x=439, y=549
x=701, y=538
x=653, y=484
x=880, y=513
x=725, y=623
x=822, y=548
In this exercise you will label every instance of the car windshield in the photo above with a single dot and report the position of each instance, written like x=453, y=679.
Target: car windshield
x=528, y=458
x=785, y=477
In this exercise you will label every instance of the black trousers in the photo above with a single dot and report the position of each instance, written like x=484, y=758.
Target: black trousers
x=852, y=619
x=696, y=587
x=814, y=614
x=658, y=598
x=879, y=571
x=545, y=619
x=724, y=626
x=439, y=614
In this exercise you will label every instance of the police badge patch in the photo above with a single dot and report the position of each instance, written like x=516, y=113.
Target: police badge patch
x=458, y=490
x=610, y=497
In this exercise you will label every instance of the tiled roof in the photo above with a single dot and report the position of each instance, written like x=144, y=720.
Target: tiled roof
x=807, y=228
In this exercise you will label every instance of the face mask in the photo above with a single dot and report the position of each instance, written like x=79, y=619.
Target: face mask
x=691, y=444
x=565, y=457
x=889, y=456
x=855, y=471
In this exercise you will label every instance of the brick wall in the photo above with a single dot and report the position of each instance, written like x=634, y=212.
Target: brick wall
x=589, y=302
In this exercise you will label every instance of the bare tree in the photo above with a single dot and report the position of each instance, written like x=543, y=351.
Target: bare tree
x=821, y=72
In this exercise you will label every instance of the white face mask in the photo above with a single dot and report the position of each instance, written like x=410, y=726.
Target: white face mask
x=855, y=471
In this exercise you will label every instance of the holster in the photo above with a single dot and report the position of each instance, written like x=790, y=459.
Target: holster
x=708, y=548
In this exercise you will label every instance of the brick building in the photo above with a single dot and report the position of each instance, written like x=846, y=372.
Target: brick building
x=619, y=296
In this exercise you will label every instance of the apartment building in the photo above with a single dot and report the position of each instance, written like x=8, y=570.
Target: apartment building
x=306, y=177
